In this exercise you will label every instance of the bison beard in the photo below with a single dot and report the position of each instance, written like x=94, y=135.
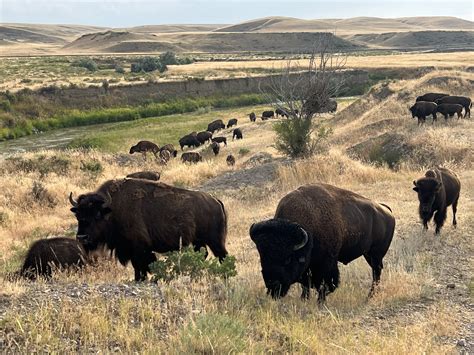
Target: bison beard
x=137, y=217
x=314, y=227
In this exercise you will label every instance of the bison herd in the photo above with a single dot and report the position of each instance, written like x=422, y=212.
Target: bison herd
x=313, y=229
x=432, y=103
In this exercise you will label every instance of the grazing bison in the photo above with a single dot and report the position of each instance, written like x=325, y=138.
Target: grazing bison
x=461, y=100
x=144, y=147
x=430, y=97
x=232, y=122
x=191, y=157
x=204, y=136
x=220, y=140
x=314, y=227
x=237, y=134
x=215, y=148
x=190, y=141
x=437, y=190
x=421, y=109
x=252, y=116
x=147, y=175
x=138, y=217
x=215, y=126
x=449, y=110
x=267, y=114
x=46, y=254
x=281, y=112
x=230, y=160
x=169, y=148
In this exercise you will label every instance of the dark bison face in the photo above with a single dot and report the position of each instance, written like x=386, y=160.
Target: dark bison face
x=413, y=111
x=285, y=252
x=133, y=149
x=92, y=213
x=427, y=188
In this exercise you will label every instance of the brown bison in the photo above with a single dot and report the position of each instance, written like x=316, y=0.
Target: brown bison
x=190, y=141
x=437, y=190
x=237, y=134
x=230, y=160
x=45, y=255
x=169, y=148
x=421, y=109
x=449, y=110
x=215, y=148
x=165, y=157
x=220, y=140
x=314, y=227
x=215, y=126
x=144, y=147
x=191, y=157
x=252, y=116
x=461, y=100
x=147, y=175
x=430, y=97
x=137, y=217
x=232, y=122
x=204, y=137
x=267, y=114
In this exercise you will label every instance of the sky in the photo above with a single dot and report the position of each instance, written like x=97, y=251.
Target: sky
x=124, y=13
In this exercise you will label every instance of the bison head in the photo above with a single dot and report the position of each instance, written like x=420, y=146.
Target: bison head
x=427, y=189
x=413, y=111
x=92, y=212
x=285, y=253
x=133, y=149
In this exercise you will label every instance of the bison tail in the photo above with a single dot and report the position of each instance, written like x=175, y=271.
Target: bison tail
x=387, y=206
x=224, y=227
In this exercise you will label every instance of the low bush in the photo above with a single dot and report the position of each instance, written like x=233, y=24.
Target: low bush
x=86, y=63
x=92, y=167
x=191, y=263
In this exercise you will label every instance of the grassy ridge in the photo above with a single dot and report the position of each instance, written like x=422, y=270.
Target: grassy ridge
x=75, y=118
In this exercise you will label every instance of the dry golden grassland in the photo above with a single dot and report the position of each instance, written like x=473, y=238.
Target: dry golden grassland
x=101, y=310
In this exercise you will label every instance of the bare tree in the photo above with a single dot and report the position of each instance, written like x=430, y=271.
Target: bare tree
x=301, y=94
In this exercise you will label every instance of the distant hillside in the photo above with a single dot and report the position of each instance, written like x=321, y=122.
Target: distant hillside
x=174, y=28
x=127, y=42
x=351, y=25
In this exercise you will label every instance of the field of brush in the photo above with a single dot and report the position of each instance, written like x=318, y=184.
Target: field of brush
x=423, y=305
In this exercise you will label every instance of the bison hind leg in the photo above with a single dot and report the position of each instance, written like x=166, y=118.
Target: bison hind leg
x=455, y=208
x=377, y=265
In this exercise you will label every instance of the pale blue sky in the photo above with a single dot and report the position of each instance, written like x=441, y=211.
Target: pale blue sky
x=122, y=13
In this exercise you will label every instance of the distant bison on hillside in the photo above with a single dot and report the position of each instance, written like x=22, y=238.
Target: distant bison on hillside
x=267, y=114
x=430, y=97
x=449, y=110
x=144, y=147
x=204, y=136
x=421, y=109
x=237, y=134
x=215, y=126
x=190, y=141
x=45, y=255
x=170, y=148
x=461, y=100
x=220, y=140
x=232, y=122
x=191, y=157
x=252, y=116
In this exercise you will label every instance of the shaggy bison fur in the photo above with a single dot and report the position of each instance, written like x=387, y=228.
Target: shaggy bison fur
x=135, y=218
x=314, y=227
x=169, y=148
x=437, y=190
x=191, y=157
x=144, y=147
x=147, y=175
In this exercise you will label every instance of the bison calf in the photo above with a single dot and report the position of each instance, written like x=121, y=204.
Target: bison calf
x=230, y=160
x=314, y=227
x=437, y=190
x=461, y=100
x=237, y=134
x=144, y=147
x=46, y=254
x=191, y=157
x=449, y=110
x=252, y=117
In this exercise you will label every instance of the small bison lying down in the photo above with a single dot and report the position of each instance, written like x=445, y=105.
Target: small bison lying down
x=449, y=110
x=430, y=97
x=437, y=190
x=421, y=109
x=190, y=141
x=191, y=157
x=47, y=254
x=220, y=140
x=232, y=122
x=215, y=126
x=144, y=147
x=252, y=116
x=204, y=136
x=138, y=217
x=461, y=100
x=237, y=134
x=147, y=175
x=314, y=227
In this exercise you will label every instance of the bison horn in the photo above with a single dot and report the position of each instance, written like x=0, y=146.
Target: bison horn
x=72, y=200
x=107, y=200
x=303, y=243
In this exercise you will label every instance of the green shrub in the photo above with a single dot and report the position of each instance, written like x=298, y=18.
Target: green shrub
x=243, y=151
x=42, y=196
x=93, y=167
x=5, y=105
x=148, y=64
x=168, y=58
x=119, y=69
x=86, y=63
x=188, y=262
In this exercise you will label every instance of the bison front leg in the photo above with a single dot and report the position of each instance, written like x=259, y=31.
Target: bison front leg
x=305, y=286
x=439, y=219
x=141, y=263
